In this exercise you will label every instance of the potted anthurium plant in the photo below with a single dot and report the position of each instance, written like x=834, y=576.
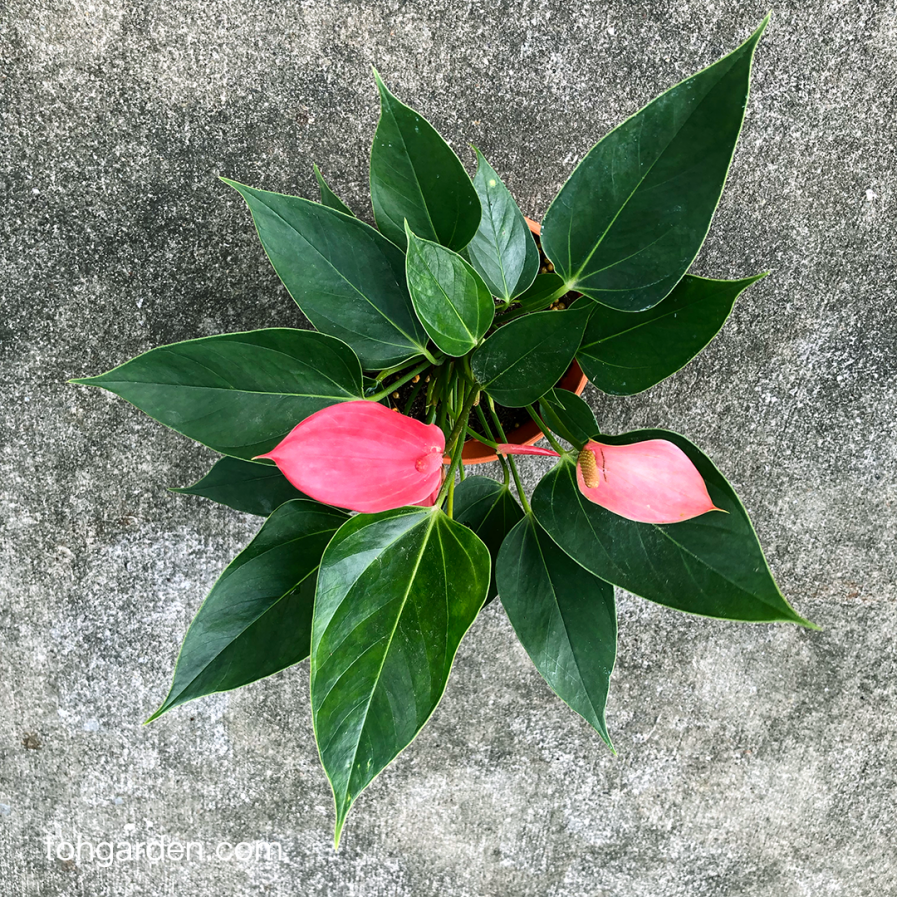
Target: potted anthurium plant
x=435, y=334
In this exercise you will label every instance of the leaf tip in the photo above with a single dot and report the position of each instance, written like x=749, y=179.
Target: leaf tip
x=155, y=716
x=807, y=624
x=761, y=27
x=381, y=85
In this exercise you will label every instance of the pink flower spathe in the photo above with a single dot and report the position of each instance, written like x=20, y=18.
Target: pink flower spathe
x=652, y=481
x=362, y=456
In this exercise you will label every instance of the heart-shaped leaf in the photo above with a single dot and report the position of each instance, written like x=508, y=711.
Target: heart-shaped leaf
x=564, y=616
x=347, y=278
x=328, y=197
x=256, y=620
x=631, y=218
x=623, y=353
x=488, y=508
x=244, y=486
x=521, y=361
x=711, y=565
x=569, y=416
x=450, y=298
x=238, y=393
x=415, y=176
x=503, y=249
x=397, y=592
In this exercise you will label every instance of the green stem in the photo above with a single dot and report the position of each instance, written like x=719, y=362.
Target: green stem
x=506, y=471
x=453, y=448
x=395, y=369
x=400, y=382
x=546, y=431
x=474, y=435
x=501, y=432
x=414, y=394
x=432, y=359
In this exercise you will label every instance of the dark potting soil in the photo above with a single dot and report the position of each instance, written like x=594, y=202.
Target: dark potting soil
x=511, y=418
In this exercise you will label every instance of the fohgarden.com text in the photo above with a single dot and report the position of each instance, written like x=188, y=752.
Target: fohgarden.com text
x=85, y=852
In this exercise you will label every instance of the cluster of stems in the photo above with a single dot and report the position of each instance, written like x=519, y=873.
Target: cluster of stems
x=450, y=396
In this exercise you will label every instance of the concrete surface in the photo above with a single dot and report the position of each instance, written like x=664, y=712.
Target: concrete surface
x=752, y=760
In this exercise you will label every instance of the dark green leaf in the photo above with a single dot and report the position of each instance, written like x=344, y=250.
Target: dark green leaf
x=623, y=353
x=711, y=565
x=245, y=486
x=503, y=249
x=238, y=393
x=521, y=361
x=450, y=298
x=416, y=176
x=328, y=197
x=564, y=616
x=489, y=509
x=544, y=290
x=396, y=593
x=631, y=218
x=256, y=620
x=347, y=278
x=569, y=416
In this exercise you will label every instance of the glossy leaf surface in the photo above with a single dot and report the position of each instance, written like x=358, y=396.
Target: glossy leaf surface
x=521, y=361
x=347, y=278
x=256, y=620
x=397, y=592
x=564, y=616
x=415, y=175
x=489, y=509
x=328, y=197
x=244, y=486
x=450, y=298
x=623, y=353
x=711, y=565
x=503, y=250
x=238, y=393
x=569, y=416
x=631, y=218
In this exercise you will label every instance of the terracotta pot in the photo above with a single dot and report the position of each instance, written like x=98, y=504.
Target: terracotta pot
x=474, y=452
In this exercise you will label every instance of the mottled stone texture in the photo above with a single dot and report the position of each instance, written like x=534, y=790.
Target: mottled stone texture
x=753, y=760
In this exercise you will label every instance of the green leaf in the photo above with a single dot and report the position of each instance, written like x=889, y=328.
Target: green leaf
x=564, y=616
x=631, y=218
x=256, y=620
x=244, y=486
x=711, y=565
x=347, y=278
x=521, y=361
x=397, y=592
x=569, y=416
x=488, y=508
x=416, y=176
x=238, y=393
x=503, y=250
x=623, y=353
x=450, y=298
x=328, y=197
x=544, y=290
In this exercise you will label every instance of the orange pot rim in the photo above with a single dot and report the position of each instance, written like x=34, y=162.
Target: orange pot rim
x=474, y=452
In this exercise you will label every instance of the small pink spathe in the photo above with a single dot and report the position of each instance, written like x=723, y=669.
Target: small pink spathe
x=362, y=456
x=649, y=482
x=509, y=448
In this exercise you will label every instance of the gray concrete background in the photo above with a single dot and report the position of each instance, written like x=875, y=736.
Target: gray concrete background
x=752, y=760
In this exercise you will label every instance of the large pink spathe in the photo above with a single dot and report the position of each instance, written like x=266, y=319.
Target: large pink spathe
x=651, y=482
x=362, y=456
